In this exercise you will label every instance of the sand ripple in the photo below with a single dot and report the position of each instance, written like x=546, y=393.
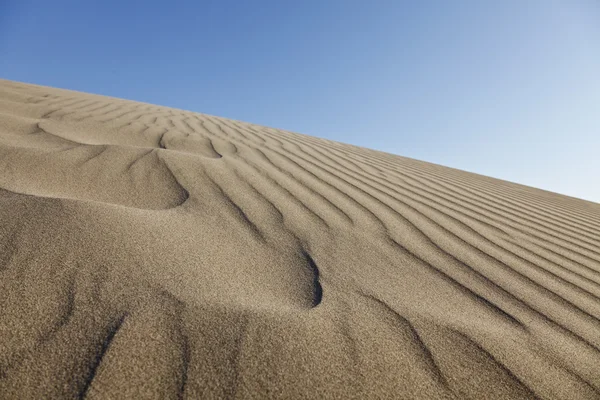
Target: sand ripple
x=148, y=252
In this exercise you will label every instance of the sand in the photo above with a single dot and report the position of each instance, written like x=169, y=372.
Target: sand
x=149, y=252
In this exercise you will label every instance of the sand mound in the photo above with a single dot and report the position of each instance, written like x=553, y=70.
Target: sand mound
x=148, y=252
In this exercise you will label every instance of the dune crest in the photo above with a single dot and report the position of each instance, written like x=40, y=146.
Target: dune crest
x=149, y=252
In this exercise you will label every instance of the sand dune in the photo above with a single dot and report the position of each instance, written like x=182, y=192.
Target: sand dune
x=148, y=252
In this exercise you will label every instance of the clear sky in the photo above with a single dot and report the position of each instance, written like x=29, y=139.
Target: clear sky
x=507, y=88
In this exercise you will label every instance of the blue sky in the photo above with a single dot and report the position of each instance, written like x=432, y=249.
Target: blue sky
x=509, y=89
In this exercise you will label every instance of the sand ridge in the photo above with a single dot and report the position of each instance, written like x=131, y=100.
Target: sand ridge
x=149, y=252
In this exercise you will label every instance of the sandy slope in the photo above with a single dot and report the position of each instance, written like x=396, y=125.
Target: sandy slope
x=150, y=252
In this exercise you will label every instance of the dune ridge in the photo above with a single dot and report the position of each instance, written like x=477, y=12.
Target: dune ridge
x=149, y=252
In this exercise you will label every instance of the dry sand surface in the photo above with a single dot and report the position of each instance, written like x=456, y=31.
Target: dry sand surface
x=149, y=252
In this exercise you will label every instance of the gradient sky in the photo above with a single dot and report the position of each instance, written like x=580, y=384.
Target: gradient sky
x=507, y=88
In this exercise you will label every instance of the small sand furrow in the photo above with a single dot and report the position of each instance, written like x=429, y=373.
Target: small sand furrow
x=577, y=228
x=344, y=328
x=515, y=296
x=440, y=189
x=185, y=193
x=575, y=267
x=68, y=310
x=317, y=288
x=239, y=127
x=471, y=222
x=65, y=102
x=187, y=125
x=594, y=249
x=14, y=360
x=330, y=183
x=137, y=159
x=437, y=202
x=508, y=194
x=479, y=280
x=120, y=116
x=85, y=107
x=182, y=126
x=263, y=196
x=484, y=217
x=237, y=353
x=426, y=355
x=294, y=189
x=427, y=169
x=464, y=190
x=79, y=104
x=78, y=114
x=587, y=390
x=506, y=371
x=292, y=198
x=237, y=211
x=212, y=148
x=293, y=171
x=101, y=150
x=492, y=251
x=250, y=136
x=525, y=291
x=560, y=269
x=106, y=116
x=216, y=123
x=160, y=140
x=49, y=113
x=198, y=125
x=206, y=123
x=93, y=367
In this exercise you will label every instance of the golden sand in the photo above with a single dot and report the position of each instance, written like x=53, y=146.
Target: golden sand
x=148, y=252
